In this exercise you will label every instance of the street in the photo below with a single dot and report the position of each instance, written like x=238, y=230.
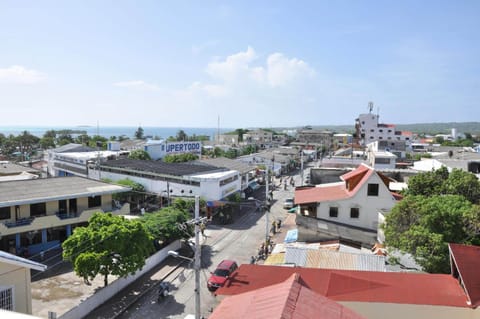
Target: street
x=237, y=241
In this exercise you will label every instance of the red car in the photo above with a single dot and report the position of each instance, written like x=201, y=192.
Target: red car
x=221, y=274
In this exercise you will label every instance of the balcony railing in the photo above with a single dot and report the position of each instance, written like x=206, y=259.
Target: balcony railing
x=56, y=220
x=19, y=222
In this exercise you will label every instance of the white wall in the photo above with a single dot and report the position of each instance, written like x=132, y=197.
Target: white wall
x=369, y=206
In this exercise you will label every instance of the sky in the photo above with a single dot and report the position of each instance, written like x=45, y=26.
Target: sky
x=238, y=64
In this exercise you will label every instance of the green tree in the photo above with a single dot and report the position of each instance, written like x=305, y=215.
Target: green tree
x=181, y=136
x=423, y=226
x=109, y=245
x=64, y=139
x=180, y=158
x=26, y=143
x=463, y=183
x=163, y=225
x=441, y=182
x=83, y=139
x=428, y=183
x=139, y=133
x=139, y=155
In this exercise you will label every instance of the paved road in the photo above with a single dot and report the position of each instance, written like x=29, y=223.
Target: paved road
x=237, y=241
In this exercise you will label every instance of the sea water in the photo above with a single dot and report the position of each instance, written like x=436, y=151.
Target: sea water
x=109, y=131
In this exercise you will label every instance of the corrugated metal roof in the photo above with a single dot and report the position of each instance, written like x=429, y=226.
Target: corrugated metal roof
x=228, y=163
x=326, y=258
x=356, y=286
x=158, y=167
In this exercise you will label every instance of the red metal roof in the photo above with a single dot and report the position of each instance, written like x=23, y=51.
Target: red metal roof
x=352, y=182
x=359, y=286
x=287, y=299
x=466, y=260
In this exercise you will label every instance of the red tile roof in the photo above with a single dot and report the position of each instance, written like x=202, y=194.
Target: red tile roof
x=356, y=286
x=466, y=261
x=287, y=299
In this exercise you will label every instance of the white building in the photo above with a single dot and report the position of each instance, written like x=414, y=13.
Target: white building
x=72, y=159
x=172, y=179
x=350, y=208
x=369, y=130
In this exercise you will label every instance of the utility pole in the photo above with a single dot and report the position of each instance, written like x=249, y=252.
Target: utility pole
x=197, y=257
x=301, y=165
x=197, y=250
x=266, y=205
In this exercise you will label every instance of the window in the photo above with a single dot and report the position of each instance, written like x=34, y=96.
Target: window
x=372, y=190
x=334, y=212
x=6, y=298
x=5, y=213
x=95, y=201
x=354, y=212
x=39, y=209
x=62, y=206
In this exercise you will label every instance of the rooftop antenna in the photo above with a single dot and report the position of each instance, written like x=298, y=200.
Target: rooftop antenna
x=370, y=107
x=218, y=129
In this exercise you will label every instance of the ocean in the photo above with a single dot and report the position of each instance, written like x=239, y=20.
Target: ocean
x=108, y=131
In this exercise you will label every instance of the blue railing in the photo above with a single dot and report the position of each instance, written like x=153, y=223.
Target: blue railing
x=20, y=222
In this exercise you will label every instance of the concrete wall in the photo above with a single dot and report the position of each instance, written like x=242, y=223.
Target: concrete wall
x=104, y=294
x=19, y=278
x=313, y=230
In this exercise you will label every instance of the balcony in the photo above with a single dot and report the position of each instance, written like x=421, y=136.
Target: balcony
x=56, y=220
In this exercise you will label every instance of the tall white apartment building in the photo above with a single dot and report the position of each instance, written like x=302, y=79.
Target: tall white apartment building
x=369, y=130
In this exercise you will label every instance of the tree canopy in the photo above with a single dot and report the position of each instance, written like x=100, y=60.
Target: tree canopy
x=439, y=208
x=109, y=245
x=423, y=226
x=139, y=155
x=180, y=158
x=163, y=225
x=440, y=181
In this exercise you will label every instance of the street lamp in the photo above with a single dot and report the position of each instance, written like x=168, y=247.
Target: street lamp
x=197, y=257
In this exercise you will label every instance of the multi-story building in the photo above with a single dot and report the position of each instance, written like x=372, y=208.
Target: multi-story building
x=322, y=139
x=368, y=129
x=259, y=137
x=345, y=210
x=39, y=214
x=73, y=159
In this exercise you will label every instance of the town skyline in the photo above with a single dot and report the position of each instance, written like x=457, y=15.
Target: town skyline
x=276, y=65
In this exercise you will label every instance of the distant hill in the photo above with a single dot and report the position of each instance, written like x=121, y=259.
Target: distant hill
x=427, y=128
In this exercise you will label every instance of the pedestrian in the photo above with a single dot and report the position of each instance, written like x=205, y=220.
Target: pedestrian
x=202, y=230
x=252, y=260
x=274, y=227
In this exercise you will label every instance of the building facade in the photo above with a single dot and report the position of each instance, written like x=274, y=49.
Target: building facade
x=36, y=215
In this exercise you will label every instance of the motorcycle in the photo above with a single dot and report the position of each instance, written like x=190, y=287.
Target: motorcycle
x=163, y=291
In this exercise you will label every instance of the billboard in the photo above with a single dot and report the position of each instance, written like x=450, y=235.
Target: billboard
x=183, y=147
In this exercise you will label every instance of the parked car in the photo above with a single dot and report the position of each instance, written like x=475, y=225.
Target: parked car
x=288, y=203
x=221, y=274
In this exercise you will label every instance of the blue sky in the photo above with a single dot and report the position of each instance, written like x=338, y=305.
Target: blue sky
x=249, y=63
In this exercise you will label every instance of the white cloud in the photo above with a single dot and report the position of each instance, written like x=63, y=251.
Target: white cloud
x=279, y=71
x=18, y=74
x=137, y=84
x=282, y=71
